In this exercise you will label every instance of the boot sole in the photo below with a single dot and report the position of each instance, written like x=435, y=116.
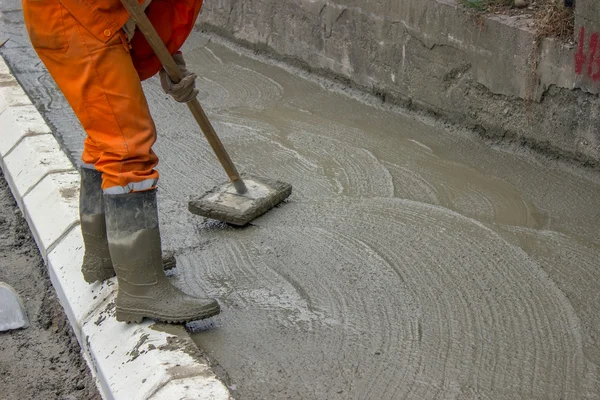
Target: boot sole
x=137, y=316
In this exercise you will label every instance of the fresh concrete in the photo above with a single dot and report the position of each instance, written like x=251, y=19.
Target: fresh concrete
x=432, y=55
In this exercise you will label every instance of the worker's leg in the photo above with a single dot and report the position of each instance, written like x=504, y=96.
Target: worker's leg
x=102, y=86
x=104, y=89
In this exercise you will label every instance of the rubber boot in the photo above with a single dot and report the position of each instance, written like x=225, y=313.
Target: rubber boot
x=97, y=264
x=135, y=247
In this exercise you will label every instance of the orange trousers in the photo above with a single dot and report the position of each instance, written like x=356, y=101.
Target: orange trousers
x=103, y=87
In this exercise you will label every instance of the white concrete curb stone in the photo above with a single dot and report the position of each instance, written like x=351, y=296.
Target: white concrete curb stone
x=41, y=151
x=146, y=361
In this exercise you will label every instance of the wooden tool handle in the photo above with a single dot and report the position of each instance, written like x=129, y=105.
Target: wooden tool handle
x=161, y=51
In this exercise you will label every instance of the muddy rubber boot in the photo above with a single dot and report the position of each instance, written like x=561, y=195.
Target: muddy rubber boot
x=97, y=264
x=135, y=248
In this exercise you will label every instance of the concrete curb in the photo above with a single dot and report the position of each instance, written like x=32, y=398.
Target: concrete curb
x=146, y=361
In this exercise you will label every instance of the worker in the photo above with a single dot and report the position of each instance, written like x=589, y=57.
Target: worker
x=98, y=59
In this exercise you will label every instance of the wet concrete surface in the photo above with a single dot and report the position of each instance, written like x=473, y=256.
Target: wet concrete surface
x=410, y=262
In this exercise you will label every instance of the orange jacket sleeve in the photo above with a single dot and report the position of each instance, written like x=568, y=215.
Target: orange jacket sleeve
x=174, y=21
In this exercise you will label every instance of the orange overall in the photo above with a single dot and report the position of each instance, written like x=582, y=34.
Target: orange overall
x=85, y=50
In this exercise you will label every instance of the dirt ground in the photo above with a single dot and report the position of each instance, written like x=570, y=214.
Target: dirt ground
x=550, y=18
x=43, y=361
x=506, y=7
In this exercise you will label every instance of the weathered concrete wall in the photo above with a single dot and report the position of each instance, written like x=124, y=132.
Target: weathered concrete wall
x=433, y=55
x=587, y=15
x=587, y=55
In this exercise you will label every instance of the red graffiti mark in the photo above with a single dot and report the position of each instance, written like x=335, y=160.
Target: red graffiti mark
x=592, y=59
x=593, y=48
x=580, y=58
x=596, y=75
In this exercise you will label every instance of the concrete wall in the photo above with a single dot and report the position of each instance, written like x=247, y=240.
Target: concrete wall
x=435, y=56
x=587, y=14
x=587, y=32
